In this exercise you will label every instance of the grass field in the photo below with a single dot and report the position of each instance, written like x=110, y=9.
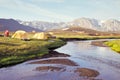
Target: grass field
x=76, y=35
x=114, y=45
x=13, y=51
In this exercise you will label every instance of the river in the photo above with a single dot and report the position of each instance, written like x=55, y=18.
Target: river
x=102, y=59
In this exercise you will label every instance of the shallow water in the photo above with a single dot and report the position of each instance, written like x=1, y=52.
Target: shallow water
x=102, y=59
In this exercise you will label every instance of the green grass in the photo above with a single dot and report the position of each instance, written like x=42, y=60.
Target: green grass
x=13, y=51
x=114, y=45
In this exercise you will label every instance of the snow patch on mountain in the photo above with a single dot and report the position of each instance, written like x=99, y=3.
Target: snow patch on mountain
x=103, y=25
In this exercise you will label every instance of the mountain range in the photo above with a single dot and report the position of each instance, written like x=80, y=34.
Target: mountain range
x=43, y=25
x=13, y=25
x=110, y=25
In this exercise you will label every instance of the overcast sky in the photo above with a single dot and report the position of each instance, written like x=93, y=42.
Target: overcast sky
x=59, y=10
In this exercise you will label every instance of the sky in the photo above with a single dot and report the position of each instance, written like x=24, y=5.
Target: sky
x=59, y=10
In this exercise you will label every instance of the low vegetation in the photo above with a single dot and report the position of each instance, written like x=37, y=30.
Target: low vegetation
x=76, y=35
x=75, y=32
x=13, y=51
x=114, y=44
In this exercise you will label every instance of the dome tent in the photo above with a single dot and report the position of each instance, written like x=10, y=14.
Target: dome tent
x=41, y=35
x=20, y=34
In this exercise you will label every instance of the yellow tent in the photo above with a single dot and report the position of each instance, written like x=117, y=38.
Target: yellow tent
x=41, y=35
x=20, y=34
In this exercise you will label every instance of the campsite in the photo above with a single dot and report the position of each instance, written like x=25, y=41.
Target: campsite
x=20, y=46
x=59, y=39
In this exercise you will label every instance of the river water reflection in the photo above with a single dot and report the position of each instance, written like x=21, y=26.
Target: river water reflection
x=102, y=59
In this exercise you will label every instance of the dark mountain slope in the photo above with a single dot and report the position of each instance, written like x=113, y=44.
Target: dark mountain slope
x=13, y=25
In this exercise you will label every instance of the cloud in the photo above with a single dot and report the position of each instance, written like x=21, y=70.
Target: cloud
x=43, y=12
x=63, y=12
x=34, y=9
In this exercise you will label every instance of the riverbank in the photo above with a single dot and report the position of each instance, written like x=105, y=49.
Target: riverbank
x=114, y=45
x=99, y=43
x=14, y=51
x=77, y=36
x=88, y=38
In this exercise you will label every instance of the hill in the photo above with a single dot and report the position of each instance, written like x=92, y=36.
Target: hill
x=13, y=25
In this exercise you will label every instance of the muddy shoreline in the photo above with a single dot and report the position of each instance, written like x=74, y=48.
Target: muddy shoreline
x=49, y=55
x=65, y=66
x=99, y=43
x=80, y=39
x=55, y=54
x=49, y=64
